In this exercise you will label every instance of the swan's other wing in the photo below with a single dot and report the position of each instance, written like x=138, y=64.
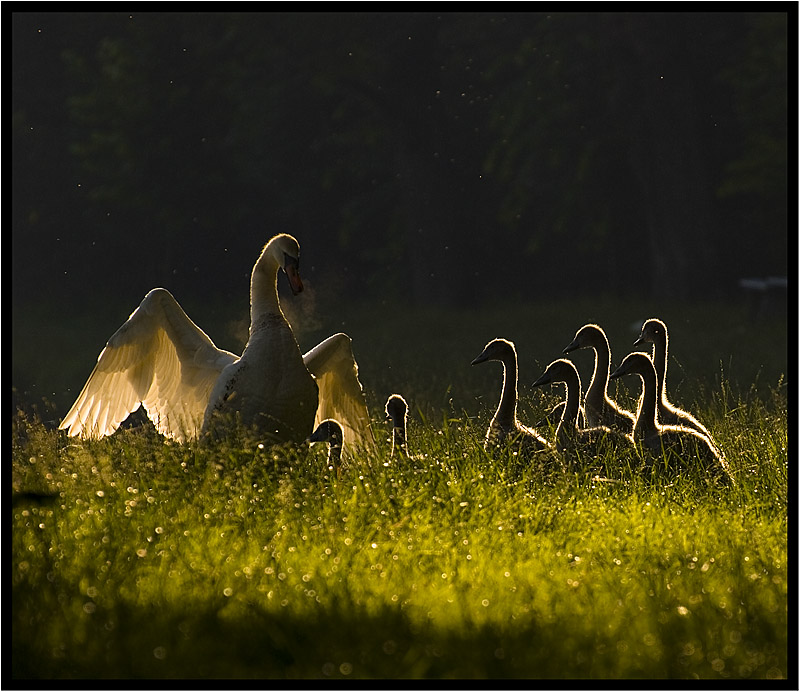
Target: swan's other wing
x=160, y=359
x=341, y=396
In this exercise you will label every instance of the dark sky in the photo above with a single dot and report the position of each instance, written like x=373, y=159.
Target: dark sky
x=417, y=156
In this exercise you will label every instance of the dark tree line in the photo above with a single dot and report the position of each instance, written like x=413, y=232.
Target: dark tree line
x=434, y=158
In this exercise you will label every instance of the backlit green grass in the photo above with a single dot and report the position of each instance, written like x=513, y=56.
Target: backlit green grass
x=160, y=560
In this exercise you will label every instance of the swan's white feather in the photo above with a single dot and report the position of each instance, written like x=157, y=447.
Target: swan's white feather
x=159, y=359
x=341, y=396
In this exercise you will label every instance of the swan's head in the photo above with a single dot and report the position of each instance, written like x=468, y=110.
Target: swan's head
x=634, y=364
x=560, y=370
x=329, y=431
x=396, y=408
x=588, y=336
x=652, y=330
x=497, y=349
x=285, y=251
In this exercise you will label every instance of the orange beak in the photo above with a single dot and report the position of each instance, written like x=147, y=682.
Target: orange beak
x=293, y=274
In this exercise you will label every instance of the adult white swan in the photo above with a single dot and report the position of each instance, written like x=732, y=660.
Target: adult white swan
x=163, y=361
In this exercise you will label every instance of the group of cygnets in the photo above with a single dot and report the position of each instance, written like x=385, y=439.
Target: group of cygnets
x=587, y=425
x=590, y=424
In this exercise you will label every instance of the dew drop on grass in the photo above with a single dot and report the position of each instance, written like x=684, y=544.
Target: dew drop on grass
x=389, y=647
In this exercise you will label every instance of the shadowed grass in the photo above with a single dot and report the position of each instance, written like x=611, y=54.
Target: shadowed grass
x=138, y=558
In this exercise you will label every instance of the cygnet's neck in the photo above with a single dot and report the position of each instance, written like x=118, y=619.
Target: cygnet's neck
x=506, y=414
x=596, y=392
x=334, y=454
x=399, y=445
x=660, y=348
x=646, y=422
x=572, y=382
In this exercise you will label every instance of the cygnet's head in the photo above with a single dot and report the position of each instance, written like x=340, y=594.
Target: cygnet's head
x=588, y=336
x=633, y=364
x=652, y=330
x=560, y=370
x=329, y=431
x=396, y=409
x=496, y=349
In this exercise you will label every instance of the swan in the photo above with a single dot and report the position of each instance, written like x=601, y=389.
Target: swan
x=160, y=359
x=659, y=438
x=331, y=432
x=505, y=429
x=396, y=410
x=654, y=331
x=599, y=409
x=569, y=435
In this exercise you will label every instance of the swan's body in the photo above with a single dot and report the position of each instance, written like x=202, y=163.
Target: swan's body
x=161, y=360
x=660, y=439
x=331, y=432
x=654, y=331
x=505, y=429
x=598, y=407
x=569, y=435
x=396, y=410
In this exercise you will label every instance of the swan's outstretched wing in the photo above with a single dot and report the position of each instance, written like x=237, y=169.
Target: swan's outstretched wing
x=341, y=396
x=160, y=359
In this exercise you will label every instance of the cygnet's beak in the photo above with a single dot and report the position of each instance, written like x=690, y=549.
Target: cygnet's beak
x=572, y=346
x=544, y=379
x=617, y=373
x=480, y=359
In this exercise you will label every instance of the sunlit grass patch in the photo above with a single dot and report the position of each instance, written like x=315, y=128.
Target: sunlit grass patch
x=138, y=558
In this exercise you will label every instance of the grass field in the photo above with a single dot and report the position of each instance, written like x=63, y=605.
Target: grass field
x=138, y=558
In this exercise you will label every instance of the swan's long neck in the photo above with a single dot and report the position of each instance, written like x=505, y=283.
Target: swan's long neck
x=569, y=417
x=596, y=393
x=570, y=414
x=506, y=414
x=264, y=291
x=646, y=422
x=660, y=363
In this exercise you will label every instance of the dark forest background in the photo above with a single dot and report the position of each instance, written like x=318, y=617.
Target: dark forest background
x=442, y=159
